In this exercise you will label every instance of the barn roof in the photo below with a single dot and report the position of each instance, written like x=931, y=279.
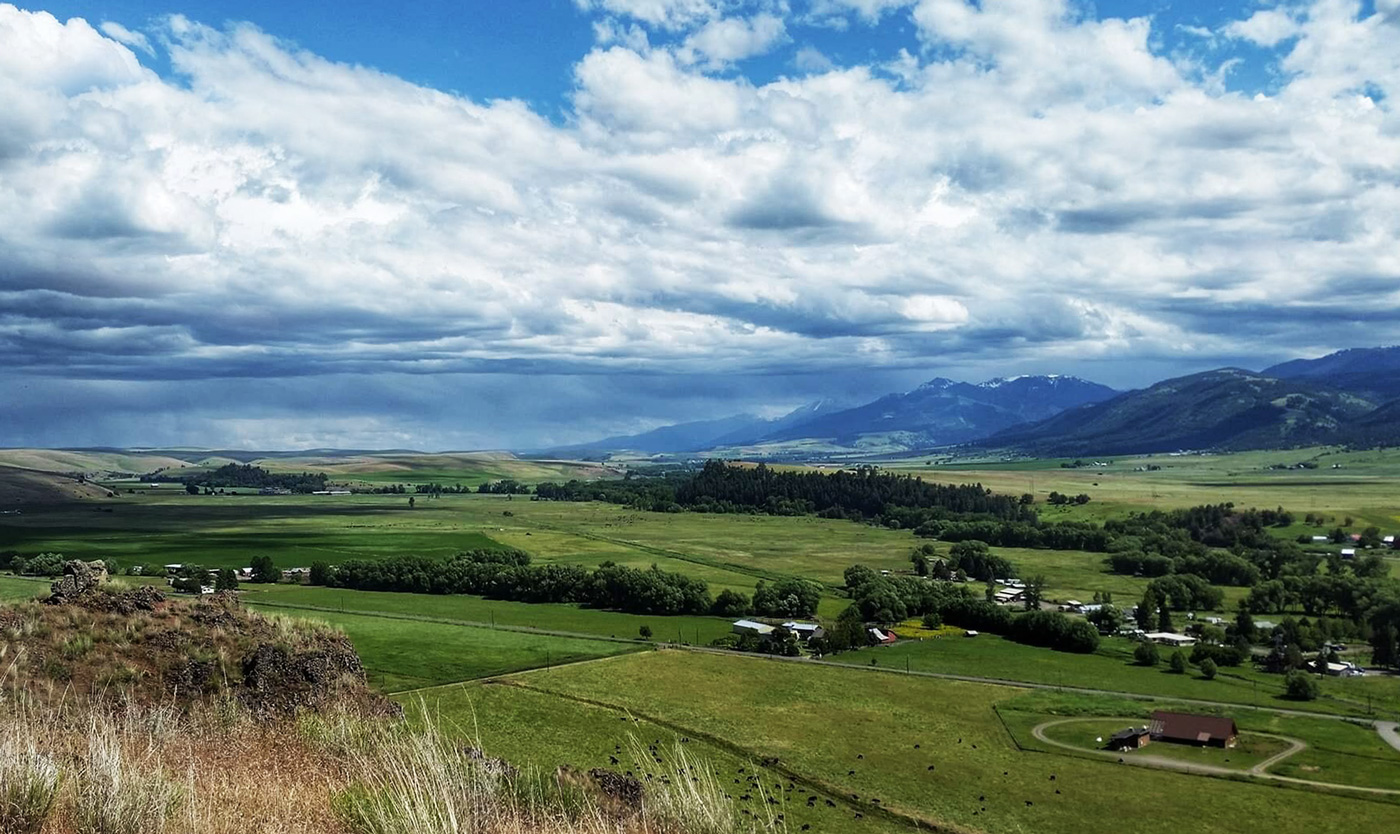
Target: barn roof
x=1185, y=726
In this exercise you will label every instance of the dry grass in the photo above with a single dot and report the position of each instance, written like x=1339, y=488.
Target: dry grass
x=86, y=768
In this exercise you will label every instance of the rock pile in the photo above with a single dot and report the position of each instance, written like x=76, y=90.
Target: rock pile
x=78, y=578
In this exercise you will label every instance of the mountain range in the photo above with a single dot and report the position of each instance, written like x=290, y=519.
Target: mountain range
x=1352, y=396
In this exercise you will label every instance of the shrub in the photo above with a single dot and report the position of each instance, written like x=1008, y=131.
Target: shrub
x=1208, y=669
x=1300, y=686
x=1178, y=662
x=932, y=620
x=1146, y=654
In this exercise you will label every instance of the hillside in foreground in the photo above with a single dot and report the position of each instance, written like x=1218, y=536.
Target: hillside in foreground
x=126, y=712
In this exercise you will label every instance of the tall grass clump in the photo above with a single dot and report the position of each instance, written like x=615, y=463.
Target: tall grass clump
x=119, y=791
x=425, y=780
x=687, y=797
x=29, y=781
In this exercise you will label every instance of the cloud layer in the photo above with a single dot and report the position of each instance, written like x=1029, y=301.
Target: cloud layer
x=1022, y=186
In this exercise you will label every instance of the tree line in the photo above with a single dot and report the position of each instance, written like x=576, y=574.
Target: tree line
x=510, y=575
x=865, y=494
x=246, y=476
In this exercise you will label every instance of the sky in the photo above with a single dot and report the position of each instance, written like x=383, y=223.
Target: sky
x=459, y=225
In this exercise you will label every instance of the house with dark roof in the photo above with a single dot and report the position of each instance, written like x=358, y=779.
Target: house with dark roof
x=1189, y=728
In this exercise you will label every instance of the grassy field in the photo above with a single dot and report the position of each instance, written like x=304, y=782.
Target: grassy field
x=1340, y=752
x=1112, y=668
x=570, y=618
x=1250, y=750
x=505, y=721
x=965, y=760
x=407, y=654
x=1361, y=487
x=15, y=587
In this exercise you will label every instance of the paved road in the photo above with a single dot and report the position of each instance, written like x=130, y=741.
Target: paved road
x=1259, y=771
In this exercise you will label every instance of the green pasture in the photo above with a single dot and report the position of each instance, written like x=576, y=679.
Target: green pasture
x=22, y=588
x=1340, y=752
x=1363, y=486
x=1112, y=668
x=473, y=609
x=507, y=721
x=965, y=759
x=401, y=654
x=1250, y=750
x=225, y=531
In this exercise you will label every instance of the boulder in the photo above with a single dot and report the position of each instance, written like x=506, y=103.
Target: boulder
x=78, y=579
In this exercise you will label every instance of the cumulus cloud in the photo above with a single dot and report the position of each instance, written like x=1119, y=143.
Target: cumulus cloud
x=1266, y=27
x=1028, y=188
x=720, y=43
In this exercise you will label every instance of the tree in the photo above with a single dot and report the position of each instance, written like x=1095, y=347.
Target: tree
x=1146, y=654
x=1035, y=588
x=410, y=502
x=1178, y=662
x=191, y=489
x=227, y=580
x=932, y=620
x=264, y=571
x=1107, y=619
x=1164, y=620
x=321, y=574
x=1300, y=686
x=645, y=632
x=1244, y=624
x=730, y=603
x=1208, y=669
x=1293, y=657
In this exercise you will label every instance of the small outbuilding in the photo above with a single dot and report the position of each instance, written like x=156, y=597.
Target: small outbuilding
x=1130, y=738
x=1190, y=728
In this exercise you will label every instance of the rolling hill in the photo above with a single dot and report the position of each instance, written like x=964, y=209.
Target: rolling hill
x=1226, y=409
x=1373, y=373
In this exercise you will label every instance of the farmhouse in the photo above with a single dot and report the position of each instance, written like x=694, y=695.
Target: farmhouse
x=883, y=637
x=751, y=627
x=1167, y=638
x=1189, y=728
x=1130, y=738
x=805, y=631
x=1009, y=595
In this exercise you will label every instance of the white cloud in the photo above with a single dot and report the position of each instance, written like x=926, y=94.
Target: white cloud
x=720, y=43
x=1052, y=189
x=123, y=35
x=869, y=11
x=1266, y=27
x=667, y=14
x=811, y=59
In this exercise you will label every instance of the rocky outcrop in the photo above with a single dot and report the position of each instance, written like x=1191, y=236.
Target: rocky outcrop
x=143, y=598
x=78, y=579
x=279, y=679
